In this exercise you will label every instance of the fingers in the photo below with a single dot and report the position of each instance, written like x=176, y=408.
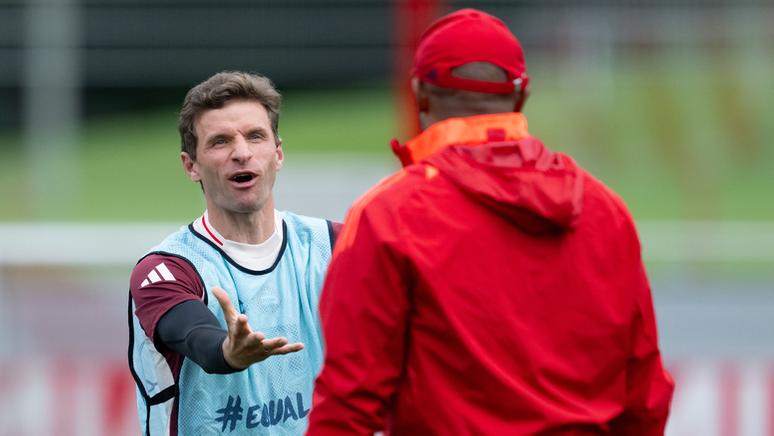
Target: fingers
x=281, y=346
x=255, y=348
x=255, y=339
x=289, y=348
x=237, y=324
x=243, y=345
x=229, y=312
x=241, y=326
x=271, y=344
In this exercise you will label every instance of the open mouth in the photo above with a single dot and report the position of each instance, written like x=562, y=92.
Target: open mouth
x=242, y=177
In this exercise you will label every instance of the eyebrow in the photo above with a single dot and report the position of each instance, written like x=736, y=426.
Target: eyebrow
x=257, y=129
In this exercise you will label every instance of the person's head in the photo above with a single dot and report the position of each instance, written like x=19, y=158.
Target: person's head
x=229, y=140
x=468, y=63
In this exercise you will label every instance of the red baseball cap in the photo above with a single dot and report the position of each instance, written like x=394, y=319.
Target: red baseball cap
x=465, y=36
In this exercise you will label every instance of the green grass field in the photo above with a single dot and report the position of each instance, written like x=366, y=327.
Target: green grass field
x=677, y=139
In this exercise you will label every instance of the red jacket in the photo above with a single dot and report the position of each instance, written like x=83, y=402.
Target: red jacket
x=492, y=288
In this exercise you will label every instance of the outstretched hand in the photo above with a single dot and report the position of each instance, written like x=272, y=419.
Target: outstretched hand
x=243, y=346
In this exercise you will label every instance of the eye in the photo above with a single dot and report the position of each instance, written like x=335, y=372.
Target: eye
x=256, y=136
x=218, y=140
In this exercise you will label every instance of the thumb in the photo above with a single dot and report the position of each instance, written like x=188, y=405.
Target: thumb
x=229, y=312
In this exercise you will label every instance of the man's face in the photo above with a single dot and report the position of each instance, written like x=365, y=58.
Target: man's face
x=237, y=157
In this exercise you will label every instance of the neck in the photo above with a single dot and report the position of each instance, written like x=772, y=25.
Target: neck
x=473, y=130
x=247, y=228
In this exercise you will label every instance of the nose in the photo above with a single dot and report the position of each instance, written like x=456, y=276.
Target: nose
x=241, y=151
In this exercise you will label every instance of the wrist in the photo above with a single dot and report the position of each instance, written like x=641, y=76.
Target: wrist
x=228, y=359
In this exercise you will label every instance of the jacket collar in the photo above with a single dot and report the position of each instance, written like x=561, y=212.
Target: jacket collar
x=475, y=130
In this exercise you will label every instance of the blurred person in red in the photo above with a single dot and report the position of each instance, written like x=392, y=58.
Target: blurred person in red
x=492, y=286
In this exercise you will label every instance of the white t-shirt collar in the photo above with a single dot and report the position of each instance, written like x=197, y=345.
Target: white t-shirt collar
x=251, y=256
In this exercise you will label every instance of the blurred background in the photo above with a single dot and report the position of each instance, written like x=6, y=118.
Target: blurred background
x=668, y=102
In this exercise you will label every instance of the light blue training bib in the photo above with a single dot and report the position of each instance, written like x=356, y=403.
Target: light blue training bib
x=272, y=397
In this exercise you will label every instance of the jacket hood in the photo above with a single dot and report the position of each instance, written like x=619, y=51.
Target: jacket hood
x=497, y=164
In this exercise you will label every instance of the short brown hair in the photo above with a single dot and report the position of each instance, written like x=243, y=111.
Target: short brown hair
x=214, y=92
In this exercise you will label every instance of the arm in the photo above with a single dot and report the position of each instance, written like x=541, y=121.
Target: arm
x=167, y=292
x=649, y=386
x=244, y=346
x=193, y=331
x=364, y=309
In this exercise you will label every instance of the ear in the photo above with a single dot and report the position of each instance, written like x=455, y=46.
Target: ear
x=520, y=99
x=423, y=102
x=280, y=154
x=190, y=167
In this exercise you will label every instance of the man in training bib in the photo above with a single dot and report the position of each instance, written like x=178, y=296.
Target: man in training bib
x=213, y=306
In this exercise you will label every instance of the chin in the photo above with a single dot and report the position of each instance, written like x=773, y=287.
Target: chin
x=239, y=207
x=247, y=202
x=248, y=206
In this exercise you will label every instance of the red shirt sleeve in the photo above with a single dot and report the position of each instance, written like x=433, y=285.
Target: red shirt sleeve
x=159, y=283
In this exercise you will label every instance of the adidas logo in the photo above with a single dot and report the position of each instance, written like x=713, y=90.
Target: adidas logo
x=157, y=274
